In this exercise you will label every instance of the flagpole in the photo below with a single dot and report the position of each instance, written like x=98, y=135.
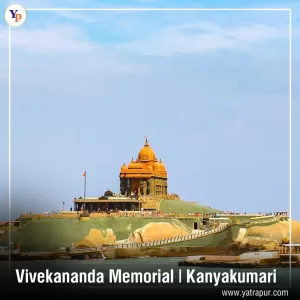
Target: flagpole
x=84, y=191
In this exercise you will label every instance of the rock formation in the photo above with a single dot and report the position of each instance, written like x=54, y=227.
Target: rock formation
x=97, y=238
x=157, y=231
x=270, y=236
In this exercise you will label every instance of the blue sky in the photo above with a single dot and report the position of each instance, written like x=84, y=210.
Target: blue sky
x=209, y=89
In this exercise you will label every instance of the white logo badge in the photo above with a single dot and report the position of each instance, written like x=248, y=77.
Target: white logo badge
x=15, y=15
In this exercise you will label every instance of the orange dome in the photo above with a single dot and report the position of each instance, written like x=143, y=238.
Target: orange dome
x=156, y=165
x=124, y=168
x=146, y=153
x=161, y=166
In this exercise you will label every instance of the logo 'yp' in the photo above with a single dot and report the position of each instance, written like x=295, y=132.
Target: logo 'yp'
x=15, y=15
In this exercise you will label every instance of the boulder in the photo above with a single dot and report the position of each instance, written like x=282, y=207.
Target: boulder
x=157, y=231
x=96, y=238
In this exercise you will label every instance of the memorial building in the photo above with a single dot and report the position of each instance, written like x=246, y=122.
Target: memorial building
x=143, y=183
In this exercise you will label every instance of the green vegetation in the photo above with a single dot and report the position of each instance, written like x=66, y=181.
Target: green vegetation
x=183, y=207
x=51, y=234
x=23, y=221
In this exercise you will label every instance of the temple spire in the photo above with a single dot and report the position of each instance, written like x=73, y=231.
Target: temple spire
x=146, y=142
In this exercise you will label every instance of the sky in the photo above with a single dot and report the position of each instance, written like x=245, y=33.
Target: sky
x=209, y=89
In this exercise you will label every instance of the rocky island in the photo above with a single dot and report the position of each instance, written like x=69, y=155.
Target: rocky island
x=144, y=219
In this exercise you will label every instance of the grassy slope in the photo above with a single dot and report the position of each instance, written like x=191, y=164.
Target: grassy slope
x=183, y=207
x=51, y=234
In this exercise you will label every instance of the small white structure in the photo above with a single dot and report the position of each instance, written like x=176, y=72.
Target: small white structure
x=258, y=255
x=194, y=258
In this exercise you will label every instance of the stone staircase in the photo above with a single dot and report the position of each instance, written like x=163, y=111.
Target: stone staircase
x=177, y=239
x=163, y=242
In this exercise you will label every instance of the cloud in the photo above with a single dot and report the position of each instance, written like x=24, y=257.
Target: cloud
x=49, y=40
x=63, y=44
x=203, y=37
